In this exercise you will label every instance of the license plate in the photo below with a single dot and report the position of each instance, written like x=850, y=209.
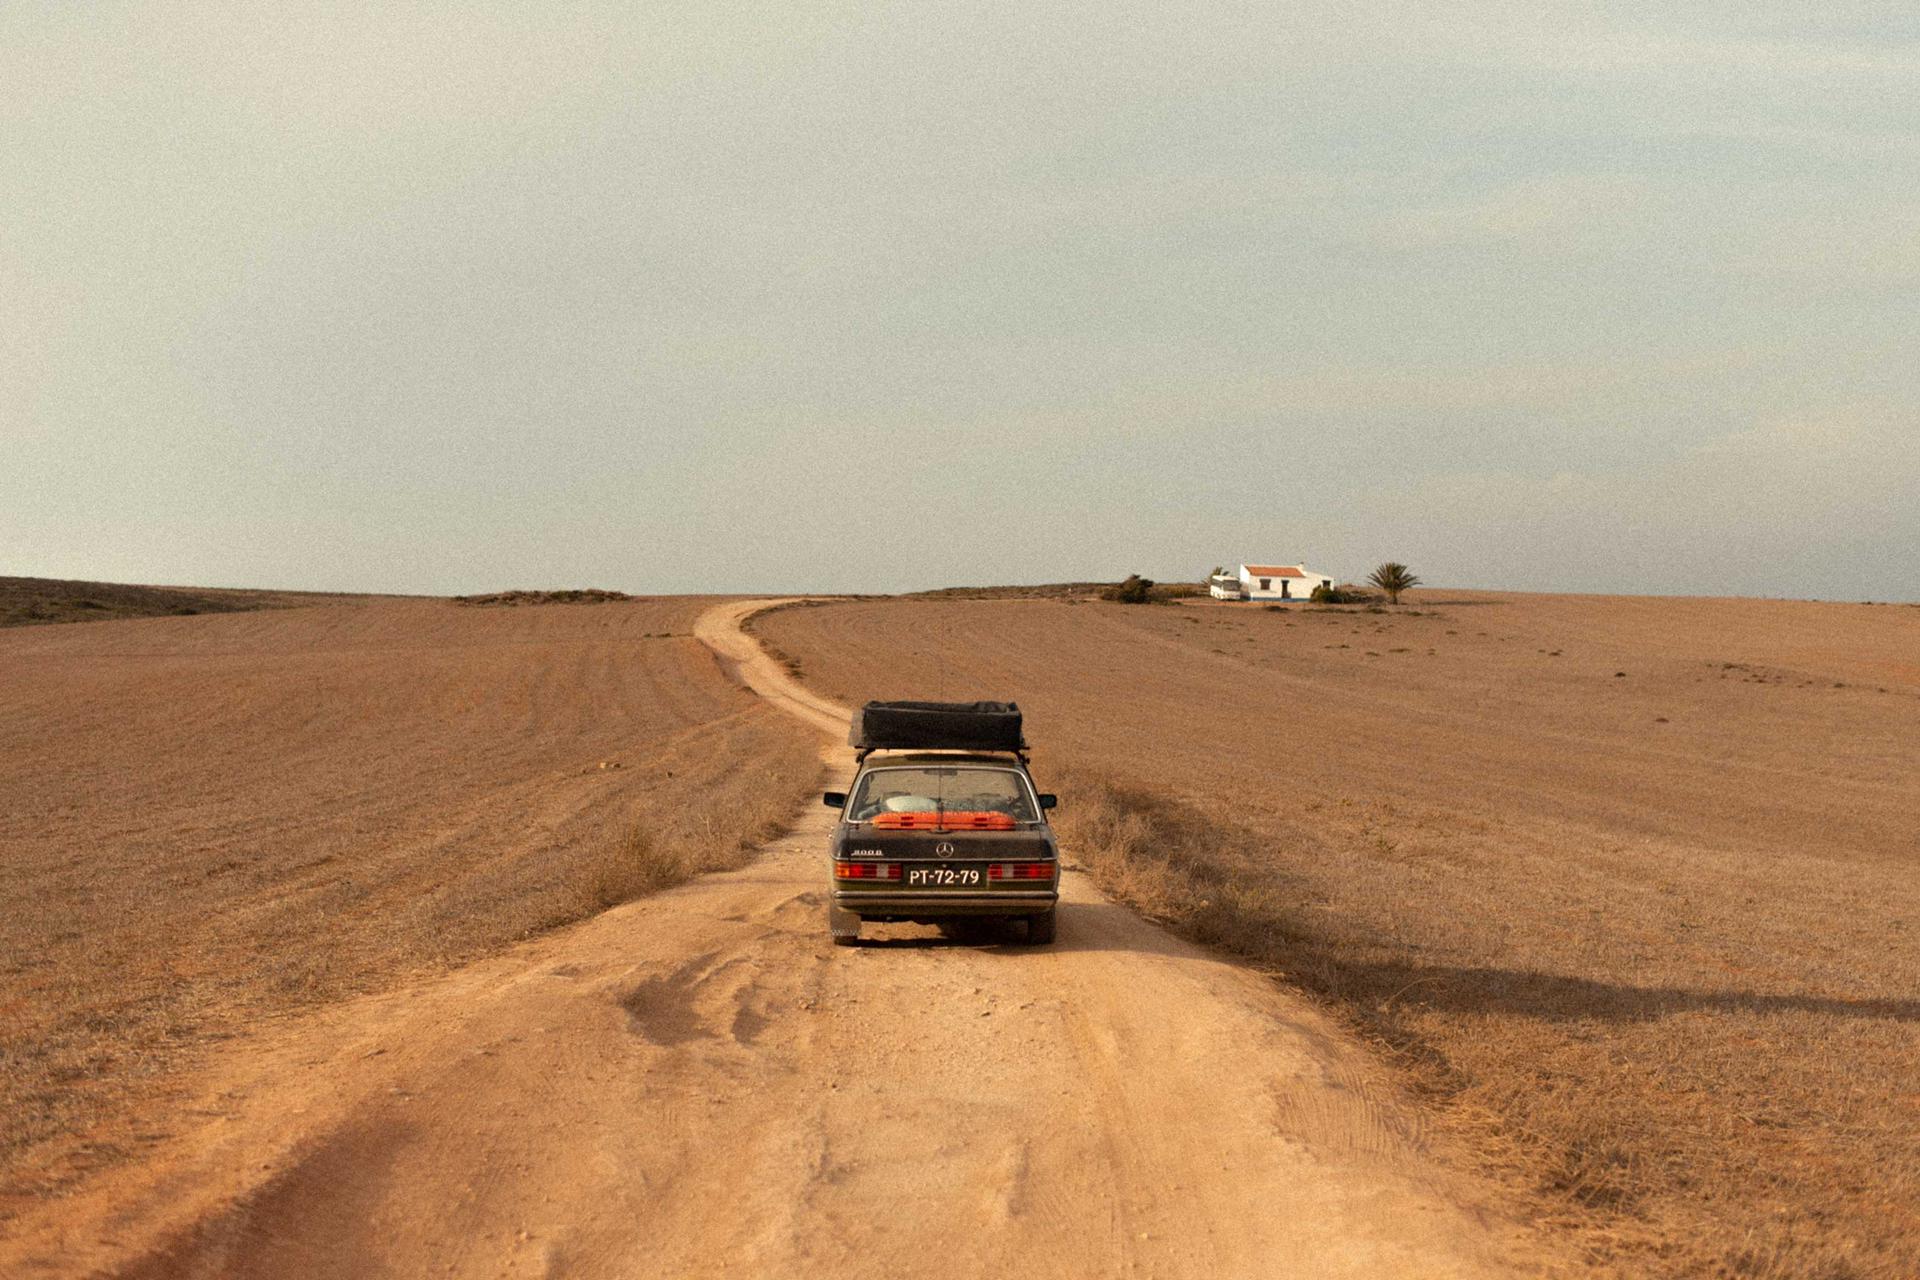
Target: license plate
x=945, y=877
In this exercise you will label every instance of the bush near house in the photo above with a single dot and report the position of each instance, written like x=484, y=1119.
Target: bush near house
x=1178, y=590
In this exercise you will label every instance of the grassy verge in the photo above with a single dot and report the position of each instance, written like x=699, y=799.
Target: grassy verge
x=1605, y=1107
x=740, y=810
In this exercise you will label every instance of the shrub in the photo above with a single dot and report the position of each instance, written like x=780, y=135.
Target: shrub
x=1327, y=593
x=1135, y=590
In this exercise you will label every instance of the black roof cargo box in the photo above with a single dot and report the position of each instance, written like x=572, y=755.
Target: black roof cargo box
x=937, y=726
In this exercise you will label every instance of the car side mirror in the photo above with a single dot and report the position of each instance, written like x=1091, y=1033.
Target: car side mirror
x=834, y=799
x=1048, y=800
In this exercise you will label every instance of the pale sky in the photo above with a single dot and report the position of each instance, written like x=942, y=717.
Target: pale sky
x=792, y=296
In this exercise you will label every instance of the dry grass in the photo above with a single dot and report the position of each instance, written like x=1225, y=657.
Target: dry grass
x=1647, y=941
x=1034, y=591
x=1600, y=1123
x=26, y=602
x=518, y=599
x=208, y=822
x=1054, y=591
x=738, y=809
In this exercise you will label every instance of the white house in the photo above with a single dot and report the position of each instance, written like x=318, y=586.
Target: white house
x=1279, y=581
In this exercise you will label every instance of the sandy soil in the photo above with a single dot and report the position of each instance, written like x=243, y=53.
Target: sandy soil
x=699, y=1084
x=1629, y=882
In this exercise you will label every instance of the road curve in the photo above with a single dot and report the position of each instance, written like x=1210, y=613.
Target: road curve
x=699, y=1084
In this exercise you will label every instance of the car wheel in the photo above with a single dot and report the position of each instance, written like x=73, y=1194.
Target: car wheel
x=1040, y=929
x=844, y=926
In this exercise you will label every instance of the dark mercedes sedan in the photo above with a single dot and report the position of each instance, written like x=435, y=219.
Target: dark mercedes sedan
x=929, y=836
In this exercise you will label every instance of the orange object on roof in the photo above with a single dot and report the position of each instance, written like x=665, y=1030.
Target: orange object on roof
x=958, y=820
x=1275, y=571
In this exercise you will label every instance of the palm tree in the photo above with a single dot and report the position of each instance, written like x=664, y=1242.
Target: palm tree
x=1393, y=578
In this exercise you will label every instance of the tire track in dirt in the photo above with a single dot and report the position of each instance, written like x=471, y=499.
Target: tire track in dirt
x=700, y=1084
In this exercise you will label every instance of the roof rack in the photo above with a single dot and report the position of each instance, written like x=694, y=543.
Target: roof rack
x=1023, y=754
x=937, y=726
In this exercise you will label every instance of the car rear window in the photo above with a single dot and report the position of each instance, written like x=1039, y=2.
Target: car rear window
x=955, y=789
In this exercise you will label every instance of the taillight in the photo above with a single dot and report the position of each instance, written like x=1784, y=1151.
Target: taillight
x=866, y=871
x=1020, y=871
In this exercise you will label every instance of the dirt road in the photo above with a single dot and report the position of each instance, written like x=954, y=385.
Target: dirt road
x=698, y=1084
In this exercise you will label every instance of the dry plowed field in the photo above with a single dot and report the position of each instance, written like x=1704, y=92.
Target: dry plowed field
x=698, y=1083
x=207, y=823
x=1630, y=887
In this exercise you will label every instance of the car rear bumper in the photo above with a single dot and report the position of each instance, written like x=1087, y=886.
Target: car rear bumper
x=872, y=903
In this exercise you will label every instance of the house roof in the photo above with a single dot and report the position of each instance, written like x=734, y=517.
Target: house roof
x=1276, y=570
